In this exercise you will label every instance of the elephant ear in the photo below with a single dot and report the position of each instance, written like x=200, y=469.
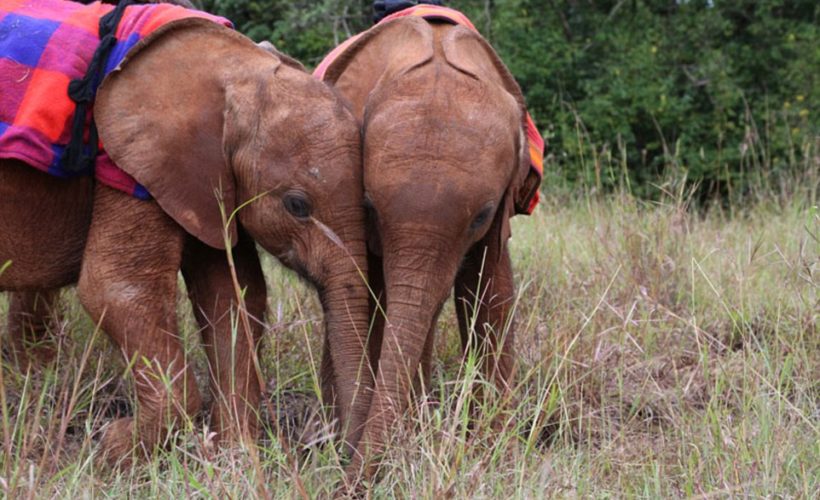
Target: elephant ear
x=161, y=116
x=377, y=54
x=468, y=52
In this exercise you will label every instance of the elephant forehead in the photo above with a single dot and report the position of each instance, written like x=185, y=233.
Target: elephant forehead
x=315, y=140
x=433, y=186
x=441, y=141
x=449, y=106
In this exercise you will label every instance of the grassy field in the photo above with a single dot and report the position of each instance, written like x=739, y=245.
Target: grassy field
x=663, y=352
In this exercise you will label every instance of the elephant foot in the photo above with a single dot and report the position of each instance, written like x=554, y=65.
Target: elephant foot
x=29, y=357
x=345, y=492
x=230, y=430
x=33, y=328
x=118, y=443
x=359, y=474
x=353, y=486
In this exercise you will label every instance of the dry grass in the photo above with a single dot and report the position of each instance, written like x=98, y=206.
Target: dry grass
x=663, y=353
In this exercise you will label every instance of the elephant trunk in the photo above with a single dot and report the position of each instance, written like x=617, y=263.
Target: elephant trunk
x=348, y=381
x=417, y=283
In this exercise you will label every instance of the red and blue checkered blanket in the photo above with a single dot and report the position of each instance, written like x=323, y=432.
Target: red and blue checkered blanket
x=44, y=44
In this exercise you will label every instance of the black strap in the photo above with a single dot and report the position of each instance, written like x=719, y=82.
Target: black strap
x=383, y=8
x=77, y=158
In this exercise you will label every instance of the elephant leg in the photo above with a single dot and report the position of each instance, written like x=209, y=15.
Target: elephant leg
x=128, y=284
x=484, y=296
x=421, y=382
x=231, y=351
x=31, y=323
x=426, y=365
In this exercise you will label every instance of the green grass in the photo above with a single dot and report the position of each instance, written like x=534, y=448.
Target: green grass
x=663, y=352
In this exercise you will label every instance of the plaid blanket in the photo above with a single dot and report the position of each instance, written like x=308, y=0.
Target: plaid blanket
x=536, y=142
x=44, y=44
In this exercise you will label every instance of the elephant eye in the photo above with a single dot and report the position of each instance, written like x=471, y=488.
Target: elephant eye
x=297, y=204
x=481, y=218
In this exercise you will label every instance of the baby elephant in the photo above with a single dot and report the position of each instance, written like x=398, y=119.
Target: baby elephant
x=450, y=155
x=202, y=123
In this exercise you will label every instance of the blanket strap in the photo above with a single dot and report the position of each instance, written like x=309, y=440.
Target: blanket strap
x=77, y=158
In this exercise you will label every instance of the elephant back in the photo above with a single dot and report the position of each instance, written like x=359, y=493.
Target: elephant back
x=48, y=44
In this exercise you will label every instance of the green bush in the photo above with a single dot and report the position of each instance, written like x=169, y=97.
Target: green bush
x=723, y=93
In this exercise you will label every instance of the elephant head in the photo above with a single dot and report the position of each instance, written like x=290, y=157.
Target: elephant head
x=445, y=166
x=211, y=124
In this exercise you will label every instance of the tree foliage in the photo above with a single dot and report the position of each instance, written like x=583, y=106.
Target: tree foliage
x=722, y=92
